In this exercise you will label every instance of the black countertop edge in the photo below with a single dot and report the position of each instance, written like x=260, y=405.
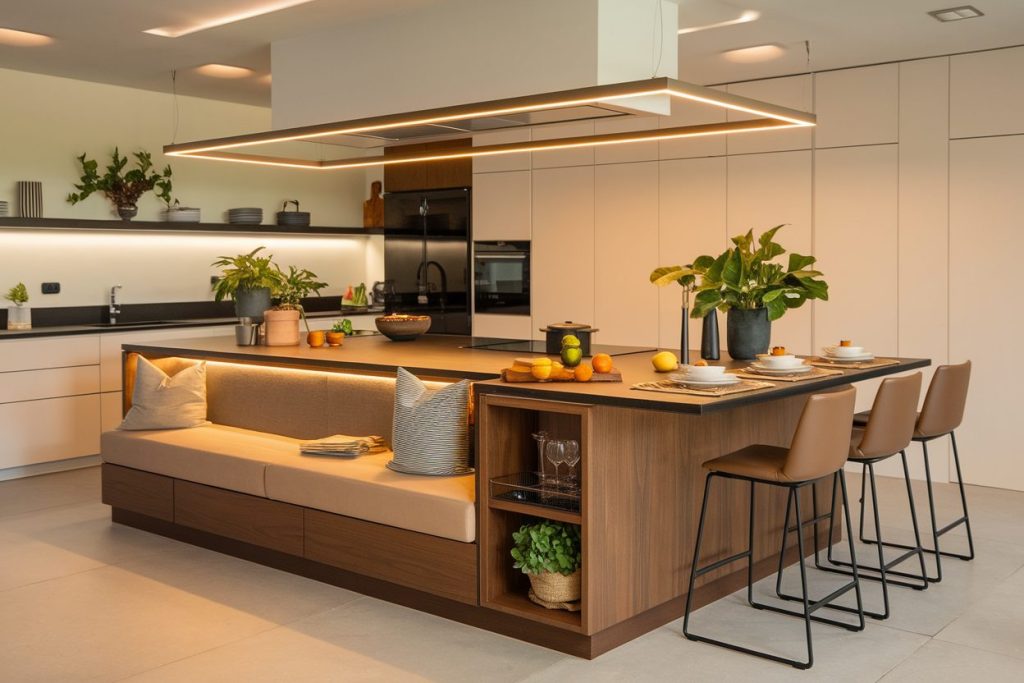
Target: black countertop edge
x=334, y=363
x=783, y=390
x=74, y=330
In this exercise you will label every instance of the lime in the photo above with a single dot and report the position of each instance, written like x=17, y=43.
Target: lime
x=570, y=340
x=571, y=356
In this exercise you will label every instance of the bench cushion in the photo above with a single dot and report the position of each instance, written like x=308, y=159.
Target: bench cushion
x=216, y=455
x=364, y=488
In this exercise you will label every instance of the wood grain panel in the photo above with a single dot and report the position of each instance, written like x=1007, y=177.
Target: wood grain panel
x=263, y=522
x=143, y=492
x=428, y=175
x=428, y=563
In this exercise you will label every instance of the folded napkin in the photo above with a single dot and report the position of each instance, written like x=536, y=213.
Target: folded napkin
x=343, y=446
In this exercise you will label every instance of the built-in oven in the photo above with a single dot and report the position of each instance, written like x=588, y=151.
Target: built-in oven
x=502, y=277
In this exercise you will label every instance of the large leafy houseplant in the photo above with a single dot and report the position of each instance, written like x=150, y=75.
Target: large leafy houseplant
x=550, y=554
x=294, y=286
x=123, y=188
x=249, y=280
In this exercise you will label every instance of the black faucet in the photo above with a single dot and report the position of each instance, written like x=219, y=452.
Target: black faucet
x=421, y=277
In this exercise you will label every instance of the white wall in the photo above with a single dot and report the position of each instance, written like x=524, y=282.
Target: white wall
x=908, y=192
x=48, y=121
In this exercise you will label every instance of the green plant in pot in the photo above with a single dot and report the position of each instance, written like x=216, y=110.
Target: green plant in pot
x=549, y=553
x=123, y=188
x=746, y=282
x=249, y=280
x=292, y=287
x=19, y=316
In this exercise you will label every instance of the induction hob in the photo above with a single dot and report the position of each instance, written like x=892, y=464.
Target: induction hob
x=539, y=346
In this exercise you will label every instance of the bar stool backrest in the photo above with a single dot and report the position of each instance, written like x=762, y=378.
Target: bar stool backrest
x=822, y=439
x=943, y=408
x=893, y=417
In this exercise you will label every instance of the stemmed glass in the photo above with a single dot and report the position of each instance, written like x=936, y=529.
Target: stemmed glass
x=554, y=449
x=572, y=456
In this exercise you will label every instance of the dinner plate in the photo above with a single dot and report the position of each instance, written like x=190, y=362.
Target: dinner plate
x=795, y=370
x=726, y=381
x=849, y=359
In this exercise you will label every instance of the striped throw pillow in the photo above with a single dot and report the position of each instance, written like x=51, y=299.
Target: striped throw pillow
x=431, y=431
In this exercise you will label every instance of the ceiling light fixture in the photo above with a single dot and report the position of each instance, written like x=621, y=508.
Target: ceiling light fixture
x=10, y=36
x=957, y=13
x=748, y=16
x=602, y=101
x=755, y=53
x=262, y=8
x=224, y=71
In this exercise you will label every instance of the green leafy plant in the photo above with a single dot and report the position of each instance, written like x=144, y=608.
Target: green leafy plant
x=745, y=277
x=17, y=294
x=246, y=272
x=294, y=286
x=342, y=326
x=122, y=187
x=547, y=546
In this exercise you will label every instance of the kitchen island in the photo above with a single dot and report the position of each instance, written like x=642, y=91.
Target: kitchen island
x=640, y=474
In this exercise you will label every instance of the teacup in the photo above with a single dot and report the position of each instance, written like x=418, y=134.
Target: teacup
x=705, y=372
x=846, y=351
x=779, y=362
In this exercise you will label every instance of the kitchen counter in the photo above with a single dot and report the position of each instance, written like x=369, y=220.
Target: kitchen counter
x=443, y=356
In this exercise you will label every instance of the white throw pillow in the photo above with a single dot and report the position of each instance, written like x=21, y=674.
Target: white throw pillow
x=431, y=427
x=163, y=402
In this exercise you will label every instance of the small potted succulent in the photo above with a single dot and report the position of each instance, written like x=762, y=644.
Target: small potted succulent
x=745, y=282
x=549, y=553
x=283, y=320
x=249, y=280
x=19, y=316
x=122, y=187
x=336, y=335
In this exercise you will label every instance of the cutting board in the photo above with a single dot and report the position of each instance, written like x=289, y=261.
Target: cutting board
x=512, y=376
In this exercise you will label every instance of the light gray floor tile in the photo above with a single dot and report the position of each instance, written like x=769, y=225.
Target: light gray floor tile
x=994, y=623
x=939, y=661
x=18, y=496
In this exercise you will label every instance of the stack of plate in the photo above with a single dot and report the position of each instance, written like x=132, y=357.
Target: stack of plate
x=847, y=354
x=703, y=377
x=779, y=366
x=182, y=214
x=3, y=209
x=247, y=216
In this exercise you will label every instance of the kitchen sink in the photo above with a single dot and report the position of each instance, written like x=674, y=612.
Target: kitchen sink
x=146, y=323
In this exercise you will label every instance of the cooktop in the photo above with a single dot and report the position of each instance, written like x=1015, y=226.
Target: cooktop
x=539, y=346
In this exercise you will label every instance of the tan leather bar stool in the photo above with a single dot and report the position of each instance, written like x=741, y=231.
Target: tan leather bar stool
x=887, y=433
x=941, y=415
x=819, y=450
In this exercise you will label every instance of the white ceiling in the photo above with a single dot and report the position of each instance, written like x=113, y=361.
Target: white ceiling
x=103, y=40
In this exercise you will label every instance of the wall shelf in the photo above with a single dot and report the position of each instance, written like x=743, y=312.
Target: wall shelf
x=163, y=226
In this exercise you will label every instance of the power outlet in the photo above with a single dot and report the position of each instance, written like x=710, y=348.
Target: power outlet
x=51, y=288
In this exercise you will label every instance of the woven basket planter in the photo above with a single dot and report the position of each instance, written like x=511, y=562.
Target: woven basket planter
x=554, y=587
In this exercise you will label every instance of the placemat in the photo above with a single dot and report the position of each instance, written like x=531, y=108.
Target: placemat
x=815, y=373
x=670, y=387
x=876, y=363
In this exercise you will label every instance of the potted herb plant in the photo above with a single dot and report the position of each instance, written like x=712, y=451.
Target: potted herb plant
x=549, y=553
x=747, y=283
x=336, y=335
x=249, y=280
x=283, y=320
x=19, y=316
x=122, y=187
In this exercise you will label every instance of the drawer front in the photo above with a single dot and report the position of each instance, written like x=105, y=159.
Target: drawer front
x=32, y=385
x=48, y=430
x=110, y=347
x=143, y=492
x=111, y=411
x=267, y=523
x=49, y=352
x=428, y=563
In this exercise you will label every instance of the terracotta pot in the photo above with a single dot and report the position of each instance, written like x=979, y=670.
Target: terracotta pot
x=316, y=338
x=555, y=587
x=335, y=338
x=282, y=327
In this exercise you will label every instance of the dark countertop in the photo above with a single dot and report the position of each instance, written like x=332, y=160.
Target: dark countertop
x=70, y=330
x=442, y=356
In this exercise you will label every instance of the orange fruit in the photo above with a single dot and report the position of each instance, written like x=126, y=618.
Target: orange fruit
x=602, y=363
x=583, y=373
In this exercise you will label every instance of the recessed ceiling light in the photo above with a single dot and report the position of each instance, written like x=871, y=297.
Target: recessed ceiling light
x=749, y=15
x=755, y=53
x=957, y=13
x=10, y=36
x=224, y=71
x=261, y=8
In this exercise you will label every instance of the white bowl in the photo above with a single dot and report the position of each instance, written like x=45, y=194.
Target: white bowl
x=702, y=372
x=846, y=351
x=779, y=362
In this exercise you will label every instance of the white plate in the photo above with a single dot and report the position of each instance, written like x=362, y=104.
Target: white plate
x=849, y=359
x=795, y=370
x=725, y=381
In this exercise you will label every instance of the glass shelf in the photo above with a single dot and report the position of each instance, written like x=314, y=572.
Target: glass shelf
x=526, y=488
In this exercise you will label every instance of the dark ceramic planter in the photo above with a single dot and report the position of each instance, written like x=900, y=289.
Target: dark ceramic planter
x=749, y=332
x=251, y=303
x=127, y=212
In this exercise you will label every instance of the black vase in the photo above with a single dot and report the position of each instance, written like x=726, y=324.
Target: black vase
x=710, y=348
x=749, y=332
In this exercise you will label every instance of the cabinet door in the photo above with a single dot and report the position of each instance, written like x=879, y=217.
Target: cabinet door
x=501, y=206
x=49, y=352
x=32, y=385
x=502, y=326
x=562, y=253
x=986, y=94
x=48, y=430
x=858, y=106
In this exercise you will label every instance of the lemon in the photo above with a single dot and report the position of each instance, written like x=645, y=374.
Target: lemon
x=540, y=371
x=542, y=361
x=570, y=340
x=665, y=361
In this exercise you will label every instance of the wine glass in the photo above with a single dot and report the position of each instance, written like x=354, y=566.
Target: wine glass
x=554, y=449
x=572, y=456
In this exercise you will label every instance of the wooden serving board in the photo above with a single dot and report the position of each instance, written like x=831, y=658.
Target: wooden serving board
x=513, y=376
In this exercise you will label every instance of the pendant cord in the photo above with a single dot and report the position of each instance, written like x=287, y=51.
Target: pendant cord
x=174, y=96
x=658, y=39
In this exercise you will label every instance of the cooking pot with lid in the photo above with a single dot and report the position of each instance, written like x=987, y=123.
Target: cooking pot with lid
x=555, y=332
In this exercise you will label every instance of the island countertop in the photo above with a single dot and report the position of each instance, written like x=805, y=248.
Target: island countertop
x=444, y=357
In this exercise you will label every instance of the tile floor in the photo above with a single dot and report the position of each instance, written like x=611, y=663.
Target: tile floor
x=82, y=599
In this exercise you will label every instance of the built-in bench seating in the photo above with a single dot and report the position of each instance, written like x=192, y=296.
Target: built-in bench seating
x=249, y=452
